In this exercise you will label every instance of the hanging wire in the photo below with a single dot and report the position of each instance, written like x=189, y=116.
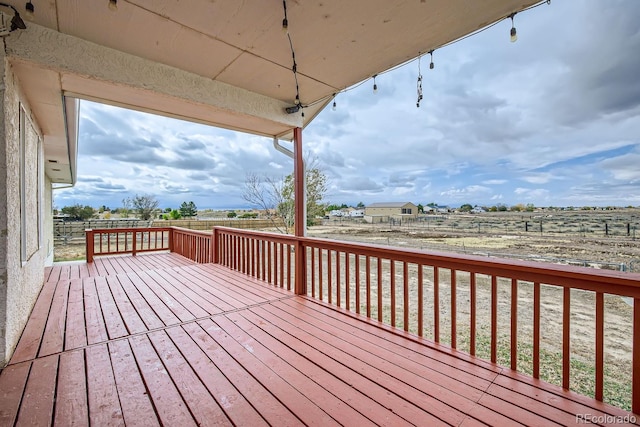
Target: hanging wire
x=294, y=67
x=350, y=88
x=419, y=83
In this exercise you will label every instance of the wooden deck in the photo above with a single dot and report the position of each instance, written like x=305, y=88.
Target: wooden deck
x=158, y=340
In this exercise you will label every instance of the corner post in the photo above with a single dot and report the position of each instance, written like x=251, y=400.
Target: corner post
x=133, y=243
x=300, y=223
x=215, y=235
x=89, y=244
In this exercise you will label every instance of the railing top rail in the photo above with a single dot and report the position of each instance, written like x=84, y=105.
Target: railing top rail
x=126, y=229
x=608, y=281
x=187, y=231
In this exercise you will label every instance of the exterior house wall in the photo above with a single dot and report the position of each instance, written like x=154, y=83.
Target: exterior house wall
x=23, y=249
x=392, y=211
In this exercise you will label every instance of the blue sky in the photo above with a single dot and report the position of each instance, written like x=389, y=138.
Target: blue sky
x=553, y=119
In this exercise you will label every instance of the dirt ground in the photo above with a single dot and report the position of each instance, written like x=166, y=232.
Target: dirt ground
x=505, y=236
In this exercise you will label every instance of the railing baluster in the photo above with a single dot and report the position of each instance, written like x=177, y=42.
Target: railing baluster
x=357, y=279
x=436, y=304
x=420, y=301
x=494, y=318
x=405, y=295
x=368, y=284
x=472, y=313
x=392, y=274
x=566, y=338
x=379, y=289
x=536, y=330
x=289, y=271
x=313, y=273
x=281, y=249
x=270, y=261
x=338, y=278
x=347, y=288
x=454, y=307
x=320, y=275
x=635, y=376
x=599, y=345
x=514, y=324
x=329, y=290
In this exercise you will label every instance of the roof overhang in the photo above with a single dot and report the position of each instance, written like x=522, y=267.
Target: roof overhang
x=223, y=63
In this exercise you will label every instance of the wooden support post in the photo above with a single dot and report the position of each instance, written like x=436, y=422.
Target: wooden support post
x=133, y=242
x=214, y=245
x=300, y=224
x=89, y=242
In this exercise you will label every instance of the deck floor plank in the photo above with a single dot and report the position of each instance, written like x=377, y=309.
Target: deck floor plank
x=305, y=409
x=202, y=405
x=104, y=404
x=287, y=369
x=31, y=338
x=130, y=316
x=53, y=339
x=13, y=380
x=406, y=400
x=136, y=405
x=236, y=407
x=76, y=330
x=269, y=407
x=156, y=339
x=72, y=408
x=351, y=388
x=37, y=403
x=96, y=329
x=167, y=400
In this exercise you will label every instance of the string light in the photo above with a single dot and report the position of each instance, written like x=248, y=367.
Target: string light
x=419, y=83
x=30, y=9
x=113, y=5
x=285, y=21
x=513, y=36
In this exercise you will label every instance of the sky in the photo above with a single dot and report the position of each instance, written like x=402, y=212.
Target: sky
x=552, y=119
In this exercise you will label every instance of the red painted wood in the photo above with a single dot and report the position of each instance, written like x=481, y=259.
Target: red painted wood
x=140, y=304
x=234, y=404
x=72, y=408
x=130, y=316
x=472, y=313
x=405, y=296
x=75, y=333
x=338, y=273
x=536, y=330
x=13, y=379
x=112, y=318
x=599, y=350
x=53, y=338
x=168, y=301
x=137, y=409
x=202, y=405
x=357, y=279
x=514, y=324
x=379, y=289
x=104, y=405
x=494, y=319
x=566, y=337
x=170, y=407
x=368, y=284
x=29, y=343
x=392, y=290
x=329, y=278
x=37, y=402
x=436, y=304
x=96, y=329
x=420, y=301
x=454, y=309
x=635, y=394
x=271, y=409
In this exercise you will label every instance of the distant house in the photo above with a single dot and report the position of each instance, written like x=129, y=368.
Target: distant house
x=392, y=209
x=356, y=213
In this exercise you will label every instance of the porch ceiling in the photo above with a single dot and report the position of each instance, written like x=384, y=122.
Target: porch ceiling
x=337, y=44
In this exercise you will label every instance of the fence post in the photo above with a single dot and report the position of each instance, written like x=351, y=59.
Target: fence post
x=214, y=245
x=171, y=233
x=89, y=244
x=301, y=267
x=133, y=242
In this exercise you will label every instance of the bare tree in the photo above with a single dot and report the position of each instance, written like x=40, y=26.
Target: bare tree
x=145, y=205
x=276, y=196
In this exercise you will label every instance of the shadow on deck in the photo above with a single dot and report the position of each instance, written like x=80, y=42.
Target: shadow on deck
x=159, y=340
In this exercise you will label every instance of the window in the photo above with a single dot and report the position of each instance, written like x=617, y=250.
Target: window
x=29, y=188
x=406, y=211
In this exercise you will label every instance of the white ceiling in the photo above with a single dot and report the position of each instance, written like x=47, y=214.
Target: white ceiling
x=337, y=44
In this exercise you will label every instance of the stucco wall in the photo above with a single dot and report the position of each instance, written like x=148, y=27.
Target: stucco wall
x=20, y=279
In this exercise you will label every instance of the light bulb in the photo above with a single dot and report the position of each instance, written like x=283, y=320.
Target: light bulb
x=375, y=88
x=285, y=25
x=334, y=106
x=113, y=5
x=29, y=10
x=297, y=101
x=514, y=35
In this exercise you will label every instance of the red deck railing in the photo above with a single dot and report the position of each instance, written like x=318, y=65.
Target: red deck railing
x=416, y=291
x=390, y=285
x=195, y=245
